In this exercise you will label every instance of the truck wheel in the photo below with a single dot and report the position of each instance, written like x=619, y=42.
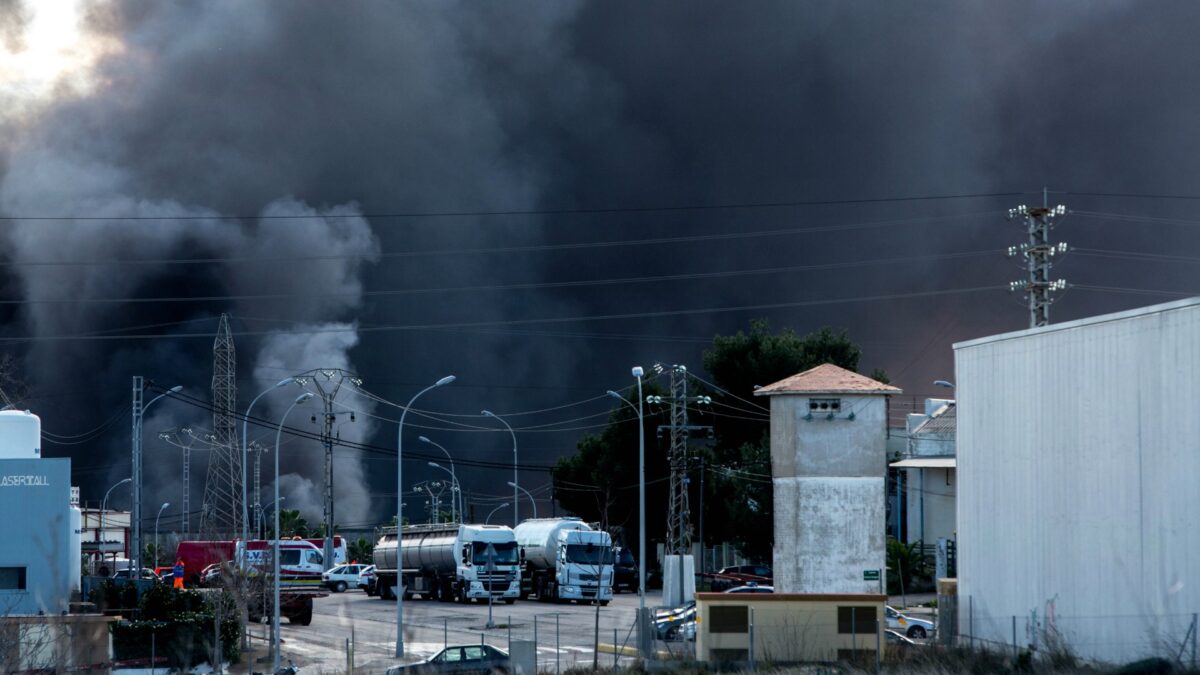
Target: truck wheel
x=339, y=587
x=604, y=603
x=385, y=592
x=303, y=617
x=509, y=601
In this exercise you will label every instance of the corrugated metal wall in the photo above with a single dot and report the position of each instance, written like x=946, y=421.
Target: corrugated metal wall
x=1079, y=483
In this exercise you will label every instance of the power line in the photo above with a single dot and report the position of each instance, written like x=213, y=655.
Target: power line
x=527, y=212
x=523, y=322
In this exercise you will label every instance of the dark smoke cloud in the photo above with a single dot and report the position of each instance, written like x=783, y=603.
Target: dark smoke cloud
x=237, y=110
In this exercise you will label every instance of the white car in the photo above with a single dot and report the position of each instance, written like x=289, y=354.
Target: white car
x=364, y=578
x=342, y=577
x=910, y=626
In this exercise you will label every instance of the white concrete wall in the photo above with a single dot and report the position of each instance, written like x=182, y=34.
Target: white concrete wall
x=1078, y=466
x=830, y=491
x=938, y=508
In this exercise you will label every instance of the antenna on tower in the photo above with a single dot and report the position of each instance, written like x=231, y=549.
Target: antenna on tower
x=1039, y=253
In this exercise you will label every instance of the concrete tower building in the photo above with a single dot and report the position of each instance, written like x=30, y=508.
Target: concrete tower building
x=829, y=467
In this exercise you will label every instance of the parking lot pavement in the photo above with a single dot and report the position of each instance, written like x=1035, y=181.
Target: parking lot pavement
x=565, y=633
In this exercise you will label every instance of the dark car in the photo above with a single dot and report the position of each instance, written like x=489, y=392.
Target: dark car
x=671, y=624
x=752, y=588
x=625, y=570
x=479, y=659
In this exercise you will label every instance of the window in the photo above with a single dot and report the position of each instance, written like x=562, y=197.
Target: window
x=315, y=558
x=857, y=620
x=289, y=557
x=12, y=578
x=472, y=653
x=728, y=619
x=453, y=655
x=824, y=405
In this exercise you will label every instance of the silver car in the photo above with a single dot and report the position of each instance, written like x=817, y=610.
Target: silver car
x=467, y=659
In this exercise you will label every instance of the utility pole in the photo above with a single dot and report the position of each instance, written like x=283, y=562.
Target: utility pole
x=328, y=381
x=679, y=527
x=135, y=516
x=175, y=437
x=1038, y=252
x=258, y=449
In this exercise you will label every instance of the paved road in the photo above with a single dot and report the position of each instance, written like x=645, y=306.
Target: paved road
x=321, y=647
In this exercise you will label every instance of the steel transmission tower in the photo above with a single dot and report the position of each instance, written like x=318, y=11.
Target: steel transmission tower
x=184, y=439
x=1038, y=252
x=222, y=512
x=679, y=526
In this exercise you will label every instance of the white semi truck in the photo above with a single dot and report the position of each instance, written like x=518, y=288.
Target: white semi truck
x=449, y=562
x=565, y=559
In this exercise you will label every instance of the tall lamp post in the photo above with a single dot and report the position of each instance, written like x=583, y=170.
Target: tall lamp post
x=453, y=477
x=400, y=510
x=637, y=374
x=156, y=546
x=103, y=508
x=246, y=452
x=135, y=519
x=527, y=494
x=275, y=544
x=489, y=517
x=516, y=506
x=454, y=512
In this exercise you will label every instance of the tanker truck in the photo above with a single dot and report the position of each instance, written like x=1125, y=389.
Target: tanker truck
x=449, y=562
x=565, y=559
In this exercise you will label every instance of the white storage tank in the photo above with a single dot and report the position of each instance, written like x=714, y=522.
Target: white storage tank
x=20, y=435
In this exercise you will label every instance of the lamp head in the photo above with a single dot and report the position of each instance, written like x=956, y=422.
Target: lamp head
x=176, y=389
x=445, y=380
x=637, y=371
x=511, y=484
x=303, y=397
x=615, y=394
x=435, y=464
x=284, y=383
x=424, y=439
x=943, y=383
x=165, y=505
x=489, y=413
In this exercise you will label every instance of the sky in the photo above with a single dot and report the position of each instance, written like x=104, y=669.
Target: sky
x=536, y=196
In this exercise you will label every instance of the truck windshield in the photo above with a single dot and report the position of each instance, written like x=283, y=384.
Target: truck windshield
x=589, y=554
x=505, y=553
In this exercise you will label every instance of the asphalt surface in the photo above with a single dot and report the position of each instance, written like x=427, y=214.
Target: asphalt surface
x=371, y=623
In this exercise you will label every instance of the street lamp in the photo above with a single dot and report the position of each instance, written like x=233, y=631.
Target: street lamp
x=489, y=517
x=531, y=501
x=264, y=509
x=103, y=507
x=516, y=507
x=135, y=520
x=245, y=452
x=160, y=510
x=275, y=548
x=400, y=511
x=943, y=383
x=454, y=512
x=637, y=373
x=453, y=477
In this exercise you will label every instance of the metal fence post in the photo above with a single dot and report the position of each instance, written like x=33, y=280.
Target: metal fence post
x=853, y=629
x=971, y=620
x=1195, y=629
x=556, y=650
x=751, y=628
x=1014, y=638
x=510, y=634
x=616, y=649
x=445, y=633
x=878, y=630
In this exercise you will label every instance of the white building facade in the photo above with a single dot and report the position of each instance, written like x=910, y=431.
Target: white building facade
x=828, y=468
x=1078, y=498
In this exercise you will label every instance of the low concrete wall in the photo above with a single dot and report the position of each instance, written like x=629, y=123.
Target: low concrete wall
x=55, y=643
x=788, y=627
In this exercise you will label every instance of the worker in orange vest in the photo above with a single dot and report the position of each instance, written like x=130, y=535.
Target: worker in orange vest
x=177, y=574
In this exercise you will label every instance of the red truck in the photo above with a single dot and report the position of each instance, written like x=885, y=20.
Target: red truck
x=300, y=567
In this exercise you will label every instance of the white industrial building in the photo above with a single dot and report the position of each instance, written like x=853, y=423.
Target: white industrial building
x=1079, y=484
x=40, y=563
x=928, y=483
x=828, y=468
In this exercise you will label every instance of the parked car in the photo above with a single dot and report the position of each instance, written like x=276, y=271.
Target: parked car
x=896, y=638
x=342, y=577
x=210, y=575
x=911, y=627
x=672, y=624
x=752, y=588
x=365, y=577
x=147, y=573
x=474, y=659
x=625, y=571
x=740, y=575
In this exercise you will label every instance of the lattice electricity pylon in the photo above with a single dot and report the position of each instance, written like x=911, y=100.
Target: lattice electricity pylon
x=222, y=513
x=679, y=526
x=183, y=438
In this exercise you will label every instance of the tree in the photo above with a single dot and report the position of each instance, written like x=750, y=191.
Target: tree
x=291, y=524
x=361, y=550
x=739, y=493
